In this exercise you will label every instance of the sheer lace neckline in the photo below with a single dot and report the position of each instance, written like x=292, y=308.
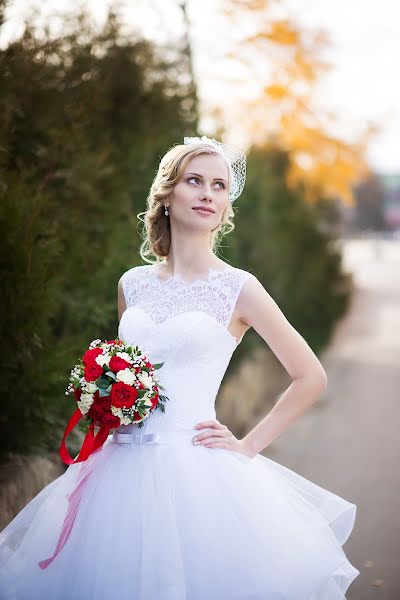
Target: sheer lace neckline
x=211, y=273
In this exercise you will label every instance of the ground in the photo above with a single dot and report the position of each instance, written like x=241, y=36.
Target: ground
x=349, y=441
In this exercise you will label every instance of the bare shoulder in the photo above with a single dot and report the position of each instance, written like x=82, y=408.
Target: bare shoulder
x=255, y=302
x=249, y=291
x=259, y=310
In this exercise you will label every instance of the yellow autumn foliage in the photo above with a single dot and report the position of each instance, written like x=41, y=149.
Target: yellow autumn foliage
x=293, y=59
x=276, y=91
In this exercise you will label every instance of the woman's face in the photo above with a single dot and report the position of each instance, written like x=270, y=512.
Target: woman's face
x=204, y=184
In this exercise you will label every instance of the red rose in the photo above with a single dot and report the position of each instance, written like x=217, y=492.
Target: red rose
x=77, y=393
x=110, y=420
x=123, y=395
x=93, y=371
x=118, y=364
x=91, y=355
x=100, y=407
x=136, y=416
x=154, y=400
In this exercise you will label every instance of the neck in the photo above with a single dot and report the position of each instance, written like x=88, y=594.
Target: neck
x=190, y=259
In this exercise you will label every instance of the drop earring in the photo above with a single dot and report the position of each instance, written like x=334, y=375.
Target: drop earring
x=166, y=212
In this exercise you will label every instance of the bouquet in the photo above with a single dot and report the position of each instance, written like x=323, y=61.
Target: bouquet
x=114, y=384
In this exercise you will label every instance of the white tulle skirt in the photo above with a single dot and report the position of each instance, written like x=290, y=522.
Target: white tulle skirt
x=175, y=521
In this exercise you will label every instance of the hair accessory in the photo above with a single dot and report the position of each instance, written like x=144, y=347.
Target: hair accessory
x=236, y=158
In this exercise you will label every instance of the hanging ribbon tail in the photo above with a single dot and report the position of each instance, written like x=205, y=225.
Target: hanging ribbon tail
x=74, y=499
x=90, y=443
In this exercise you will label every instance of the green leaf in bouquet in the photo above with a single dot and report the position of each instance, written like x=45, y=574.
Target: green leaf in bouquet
x=102, y=382
x=84, y=424
x=104, y=392
x=112, y=375
x=158, y=365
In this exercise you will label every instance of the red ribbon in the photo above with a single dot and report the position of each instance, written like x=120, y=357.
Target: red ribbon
x=90, y=443
x=74, y=499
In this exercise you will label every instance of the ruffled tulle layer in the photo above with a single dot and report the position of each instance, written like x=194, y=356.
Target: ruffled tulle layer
x=180, y=523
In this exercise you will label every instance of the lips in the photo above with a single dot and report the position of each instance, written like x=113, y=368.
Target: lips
x=203, y=208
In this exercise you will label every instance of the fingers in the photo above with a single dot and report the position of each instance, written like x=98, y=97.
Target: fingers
x=216, y=445
x=207, y=435
x=217, y=437
x=214, y=423
x=220, y=436
x=215, y=442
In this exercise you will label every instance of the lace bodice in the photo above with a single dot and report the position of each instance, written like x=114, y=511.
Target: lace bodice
x=184, y=325
x=162, y=299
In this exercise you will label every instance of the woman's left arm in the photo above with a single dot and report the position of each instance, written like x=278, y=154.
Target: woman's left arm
x=261, y=312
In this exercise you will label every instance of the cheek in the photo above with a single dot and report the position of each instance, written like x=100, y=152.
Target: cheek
x=223, y=204
x=184, y=193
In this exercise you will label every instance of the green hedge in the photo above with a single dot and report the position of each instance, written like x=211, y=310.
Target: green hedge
x=85, y=119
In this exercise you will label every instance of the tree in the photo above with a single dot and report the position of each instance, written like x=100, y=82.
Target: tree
x=278, y=233
x=282, y=63
x=84, y=119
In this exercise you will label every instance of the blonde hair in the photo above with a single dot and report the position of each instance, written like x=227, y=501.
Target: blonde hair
x=156, y=230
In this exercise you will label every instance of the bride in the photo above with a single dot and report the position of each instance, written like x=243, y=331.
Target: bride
x=186, y=510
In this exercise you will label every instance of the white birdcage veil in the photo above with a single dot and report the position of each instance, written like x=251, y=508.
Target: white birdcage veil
x=236, y=158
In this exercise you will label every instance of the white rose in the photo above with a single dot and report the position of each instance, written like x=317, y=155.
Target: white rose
x=103, y=359
x=125, y=356
x=145, y=379
x=91, y=387
x=126, y=376
x=125, y=420
x=83, y=408
x=147, y=400
x=87, y=400
x=117, y=412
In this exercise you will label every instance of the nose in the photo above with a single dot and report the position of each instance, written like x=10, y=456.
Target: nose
x=207, y=193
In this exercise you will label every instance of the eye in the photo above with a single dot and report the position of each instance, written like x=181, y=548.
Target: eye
x=198, y=180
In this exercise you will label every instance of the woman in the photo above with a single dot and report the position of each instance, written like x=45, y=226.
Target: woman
x=185, y=510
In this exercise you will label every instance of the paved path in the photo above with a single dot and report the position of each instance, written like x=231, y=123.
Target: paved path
x=349, y=442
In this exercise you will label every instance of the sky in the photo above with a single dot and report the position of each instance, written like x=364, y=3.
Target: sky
x=364, y=83
x=362, y=86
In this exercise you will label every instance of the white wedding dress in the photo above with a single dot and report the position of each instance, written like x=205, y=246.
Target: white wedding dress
x=158, y=518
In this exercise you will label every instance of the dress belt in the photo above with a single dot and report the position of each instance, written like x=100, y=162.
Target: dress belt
x=174, y=437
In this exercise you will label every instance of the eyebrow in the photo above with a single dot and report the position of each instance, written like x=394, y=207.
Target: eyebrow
x=198, y=175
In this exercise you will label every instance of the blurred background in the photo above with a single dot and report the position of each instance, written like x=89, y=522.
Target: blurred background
x=92, y=94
